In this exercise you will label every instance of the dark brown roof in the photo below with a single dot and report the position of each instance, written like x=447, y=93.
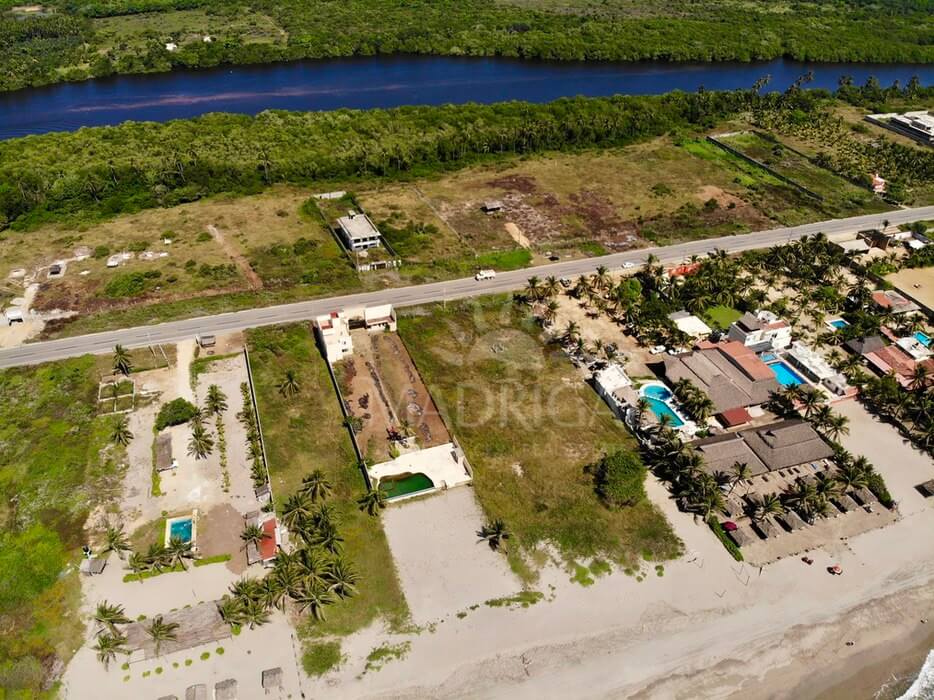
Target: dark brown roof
x=729, y=373
x=787, y=443
x=163, y=451
x=861, y=346
x=721, y=452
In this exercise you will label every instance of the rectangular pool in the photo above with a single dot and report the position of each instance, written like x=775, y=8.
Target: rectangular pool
x=923, y=338
x=180, y=529
x=839, y=324
x=785, y=375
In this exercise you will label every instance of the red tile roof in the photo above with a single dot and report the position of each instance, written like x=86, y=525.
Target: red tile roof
x=269, y=546
x=735, y=416
x=746, y=360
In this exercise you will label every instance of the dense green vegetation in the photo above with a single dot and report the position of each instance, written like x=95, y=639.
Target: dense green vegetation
x=52, y=473
x=74, y=40
x=133, y=166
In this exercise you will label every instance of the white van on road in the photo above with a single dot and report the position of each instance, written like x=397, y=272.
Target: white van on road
x=484, y=275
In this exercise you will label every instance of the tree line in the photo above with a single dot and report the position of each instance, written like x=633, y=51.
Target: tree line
x=112, y=170
x=714, y=30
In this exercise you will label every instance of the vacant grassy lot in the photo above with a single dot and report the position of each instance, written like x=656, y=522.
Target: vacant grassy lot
x=840, y=197
x=55, y=467
x=529, y=426
x=307, y=433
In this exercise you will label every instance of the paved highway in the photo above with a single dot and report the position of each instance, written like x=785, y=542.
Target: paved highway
x=99, y=343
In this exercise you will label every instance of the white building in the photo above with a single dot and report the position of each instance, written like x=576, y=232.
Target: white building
x=914, y=347
x=333, y=332
x=690, y=324
x=610, y=383
x=761, y=331
x=358, y=231
x=333, y=329
x=813, y=365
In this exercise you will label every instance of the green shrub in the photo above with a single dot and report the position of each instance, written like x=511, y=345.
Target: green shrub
x=619, y=479
x=321, y=657
x=101, y=252
x=175, y=412
x=127, y=284
x=724, y=538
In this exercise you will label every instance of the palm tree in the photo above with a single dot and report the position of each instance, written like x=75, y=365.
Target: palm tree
x=373, y=501
x=216, y=401
x=109, y=616
x=201, y=444
x=254, y=613
x=836, y=426
x=572, y=332
x=117, y=541
x=316, y=486
x=601, y=278
x=177, y=552
x=231, y=610
x=550, y=311
x=155, y=556
x=811, y=401
x=327, y=537
x=297, y=509
x=108, y=646
x=315, y=597
x=120, y=432
x=533, y=291
x=162, y=631
x=827, y=487
x=919, y=378
x=315, y=566
x=853, y=477
x=551, y=286
x=290, y=387
x=343, y=579
x=121, y=361
x=253, y=534
x=137, y=564
x=741, y=472
x=495, y=534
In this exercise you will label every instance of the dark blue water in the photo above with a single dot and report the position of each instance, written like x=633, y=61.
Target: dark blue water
x=391, y=82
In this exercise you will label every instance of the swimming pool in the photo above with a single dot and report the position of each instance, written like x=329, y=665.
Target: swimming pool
x=656, y=391
x=660, y=408
x=785, y=375
x=839, y=323
x=405, y=484
x=179, y=529
x=923, y=338
x=657, y=396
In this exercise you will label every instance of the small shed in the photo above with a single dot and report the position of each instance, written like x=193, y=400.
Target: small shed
x=491, y=206
x=793, y=520
x=207, y=341
x=164, y=459
x=272, y=679
x=743, y=536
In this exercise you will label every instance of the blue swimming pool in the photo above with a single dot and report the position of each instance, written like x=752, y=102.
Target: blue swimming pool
x=767, y=357
x=656, y=391
x=660, y=408
x=785, y=375
x=180, y=529
x=839, y=324
x=923, y=338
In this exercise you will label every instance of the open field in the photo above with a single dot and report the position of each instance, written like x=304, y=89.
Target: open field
x=231, y=252
x=840, y=197
x=307, y=433
x=56, y=466
x=529, y=426
x=918, y=283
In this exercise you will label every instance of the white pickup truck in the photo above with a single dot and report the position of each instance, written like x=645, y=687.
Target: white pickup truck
x=484, y=275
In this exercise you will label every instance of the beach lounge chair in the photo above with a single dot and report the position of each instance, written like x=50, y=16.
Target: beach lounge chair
x=197, y=692
x=793, y=520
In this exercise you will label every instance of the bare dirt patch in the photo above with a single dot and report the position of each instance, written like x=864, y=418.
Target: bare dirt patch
x=219, y=533
x=238, y=258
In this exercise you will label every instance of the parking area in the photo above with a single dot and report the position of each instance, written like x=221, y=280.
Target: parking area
x=442, y=564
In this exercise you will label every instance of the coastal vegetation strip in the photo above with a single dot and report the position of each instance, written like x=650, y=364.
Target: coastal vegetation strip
x=68, y=41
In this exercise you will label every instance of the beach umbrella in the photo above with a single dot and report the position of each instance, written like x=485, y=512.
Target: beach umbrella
x=730, y=526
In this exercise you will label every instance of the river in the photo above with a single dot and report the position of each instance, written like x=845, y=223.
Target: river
x=385, y=81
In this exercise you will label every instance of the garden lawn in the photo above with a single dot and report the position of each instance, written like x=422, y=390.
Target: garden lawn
x=722, y=316
x=55, y=466
x=307, y=433
x=529, y=426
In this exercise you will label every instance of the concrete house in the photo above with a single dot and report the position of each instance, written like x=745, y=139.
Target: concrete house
x=760, y=331
x=333, y=331
x=611, y=384
x=358, y=231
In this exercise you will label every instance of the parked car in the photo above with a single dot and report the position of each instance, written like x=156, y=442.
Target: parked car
x=565, y=282
x=657, y=349
x=628, y=265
